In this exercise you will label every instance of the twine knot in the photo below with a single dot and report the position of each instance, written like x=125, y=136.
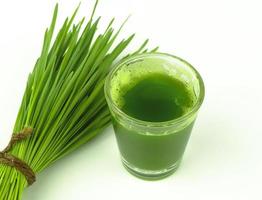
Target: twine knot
x=10, y=160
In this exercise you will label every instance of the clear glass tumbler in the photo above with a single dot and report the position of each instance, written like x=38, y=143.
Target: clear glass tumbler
x=152, y=150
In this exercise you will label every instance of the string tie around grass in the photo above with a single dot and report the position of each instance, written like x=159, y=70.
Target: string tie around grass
x=8, y=159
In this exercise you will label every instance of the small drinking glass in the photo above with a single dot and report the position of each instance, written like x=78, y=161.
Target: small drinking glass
x=152, y=150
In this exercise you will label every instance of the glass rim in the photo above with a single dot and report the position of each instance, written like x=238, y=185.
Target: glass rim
x=136, y=121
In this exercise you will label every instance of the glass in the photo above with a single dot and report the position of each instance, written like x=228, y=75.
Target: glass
x=152, y=150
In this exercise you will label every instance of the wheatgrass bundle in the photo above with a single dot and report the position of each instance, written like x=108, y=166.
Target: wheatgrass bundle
x=63, y=105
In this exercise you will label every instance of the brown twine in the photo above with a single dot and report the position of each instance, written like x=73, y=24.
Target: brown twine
x=12, y=161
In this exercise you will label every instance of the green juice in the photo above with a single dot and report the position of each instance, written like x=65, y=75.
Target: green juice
x=151, y=152
x=155, y=97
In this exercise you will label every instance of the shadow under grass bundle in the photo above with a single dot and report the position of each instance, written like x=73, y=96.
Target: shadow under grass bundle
x=63, y=105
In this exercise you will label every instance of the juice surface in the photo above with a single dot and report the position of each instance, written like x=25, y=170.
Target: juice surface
x=156, y=98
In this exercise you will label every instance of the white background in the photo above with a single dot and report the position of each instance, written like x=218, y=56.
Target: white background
x=222, y=39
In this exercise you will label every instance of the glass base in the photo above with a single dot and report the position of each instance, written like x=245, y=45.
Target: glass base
x=150, y=174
